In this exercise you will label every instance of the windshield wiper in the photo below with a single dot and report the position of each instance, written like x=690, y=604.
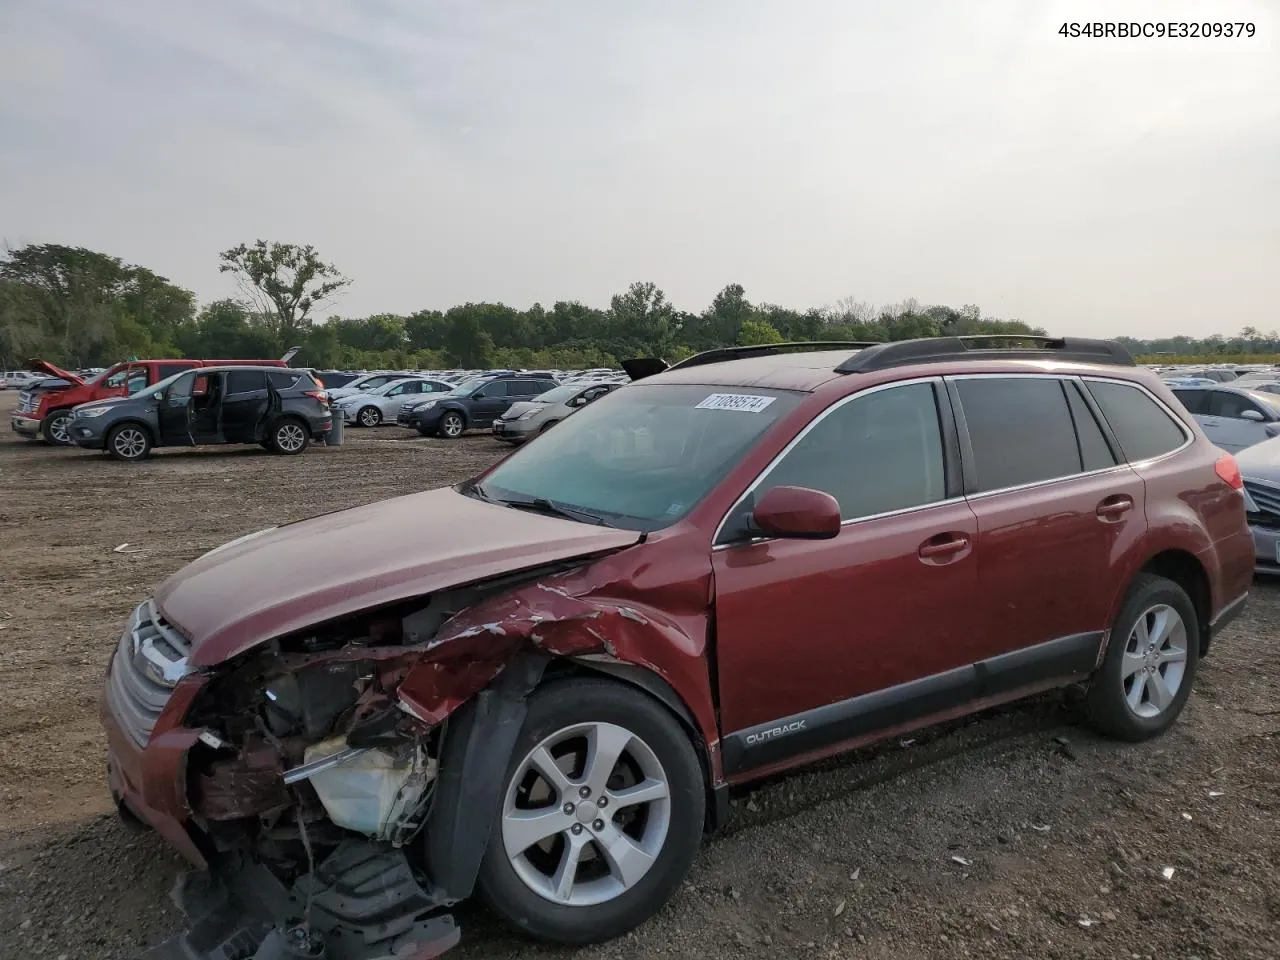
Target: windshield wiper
x=543, y=505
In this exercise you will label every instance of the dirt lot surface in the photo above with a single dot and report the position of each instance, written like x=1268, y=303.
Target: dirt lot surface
x=1011, y=835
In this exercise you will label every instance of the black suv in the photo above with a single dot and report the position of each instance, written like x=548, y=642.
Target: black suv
x=473, y=403
x=279, y=408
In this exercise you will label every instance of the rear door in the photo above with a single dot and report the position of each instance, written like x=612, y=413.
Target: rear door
x=1225, y=422
x=1054, y=503
x=244, y=405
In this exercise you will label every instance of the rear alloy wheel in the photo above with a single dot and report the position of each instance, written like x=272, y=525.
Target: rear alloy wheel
x=129, y=442
x=1151, y=662
x=601, y=816
x=289, y=437
x=451, y=426
x=56, y=428
x=369, y=417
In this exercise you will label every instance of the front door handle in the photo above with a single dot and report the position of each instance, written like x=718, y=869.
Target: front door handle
x=944, y=547
x=1114, y=508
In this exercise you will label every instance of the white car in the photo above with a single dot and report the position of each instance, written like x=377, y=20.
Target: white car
x=382, y=404
x=365, y=383
x=1232, y=417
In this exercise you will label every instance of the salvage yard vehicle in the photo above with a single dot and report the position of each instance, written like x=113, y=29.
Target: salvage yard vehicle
x=1232, y=417
x=527, y=418
x=366, y=382
x=283, y=410
x=541, y=684
x=368, y=408
x=44, y=408
x=474, y=403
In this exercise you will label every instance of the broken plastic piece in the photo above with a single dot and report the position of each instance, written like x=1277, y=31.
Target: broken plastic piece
x=1167, y=873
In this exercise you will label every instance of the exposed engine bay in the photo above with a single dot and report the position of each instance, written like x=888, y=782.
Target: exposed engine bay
x=313, y=782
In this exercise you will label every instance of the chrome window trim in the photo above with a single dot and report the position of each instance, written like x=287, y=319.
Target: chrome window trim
x=768, y=468
x=1188, y=439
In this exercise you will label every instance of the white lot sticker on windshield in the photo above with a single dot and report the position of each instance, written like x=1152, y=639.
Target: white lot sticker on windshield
x=745, y=402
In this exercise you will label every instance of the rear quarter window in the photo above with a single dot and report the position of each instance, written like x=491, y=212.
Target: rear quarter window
x=1141, y=426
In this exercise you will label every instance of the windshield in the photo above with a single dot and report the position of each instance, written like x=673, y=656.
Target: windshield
x=466, y=386
x=559, y=394
x=640, y=458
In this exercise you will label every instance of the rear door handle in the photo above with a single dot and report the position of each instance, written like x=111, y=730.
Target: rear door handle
x=944, y=546
x=1114, y=508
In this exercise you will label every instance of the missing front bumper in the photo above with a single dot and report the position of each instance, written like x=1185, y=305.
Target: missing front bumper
x=362, y=902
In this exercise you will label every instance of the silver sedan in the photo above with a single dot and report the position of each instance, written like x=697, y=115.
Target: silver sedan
x=381, y=404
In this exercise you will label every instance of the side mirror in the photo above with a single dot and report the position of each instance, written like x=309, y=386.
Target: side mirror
x=578, y=402
x=1253, y=415
x=798, y=513
x=157, y=396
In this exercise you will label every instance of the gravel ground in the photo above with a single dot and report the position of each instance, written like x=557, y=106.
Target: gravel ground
x=1012, y=834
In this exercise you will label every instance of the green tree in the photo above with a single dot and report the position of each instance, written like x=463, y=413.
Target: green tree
x=466, y=341
x=757, y=332
x=285, y=282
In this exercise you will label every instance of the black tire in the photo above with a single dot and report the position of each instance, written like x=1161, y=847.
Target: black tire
x=56, y=428
x=369, y=416
x=451, y=425
x=288, y=437
x=1106, y=704
x=129, y=442
x=561, y=704
x=547, y=426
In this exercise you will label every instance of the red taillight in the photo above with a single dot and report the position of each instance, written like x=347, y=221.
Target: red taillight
x=317, y=395
x=1228, y=472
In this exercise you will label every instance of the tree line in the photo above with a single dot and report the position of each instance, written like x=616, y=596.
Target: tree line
x=79, y=308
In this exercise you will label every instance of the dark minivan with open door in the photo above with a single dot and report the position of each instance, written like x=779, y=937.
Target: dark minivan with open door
x=281, y=409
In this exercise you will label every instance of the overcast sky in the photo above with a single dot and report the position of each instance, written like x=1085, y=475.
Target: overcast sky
x=438, y=151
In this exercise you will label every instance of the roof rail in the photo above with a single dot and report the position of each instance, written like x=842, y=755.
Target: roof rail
x=721, y=354
x=999, y=346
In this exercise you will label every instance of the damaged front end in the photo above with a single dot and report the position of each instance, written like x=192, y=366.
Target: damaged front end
x=341, y=784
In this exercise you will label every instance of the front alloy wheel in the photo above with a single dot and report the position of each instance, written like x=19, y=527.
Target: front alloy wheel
x=129, y=443
x=369, y=417
x=57, y=428
x=451, y=426
x=601, y=815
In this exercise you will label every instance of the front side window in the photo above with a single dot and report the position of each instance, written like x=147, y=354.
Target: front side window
x=137, y=380
x=1224, y=403
x=179, y=389
x=1020, y=430
x=116, y=379
x=875, y=454
x=496, y=389
x=643, y=457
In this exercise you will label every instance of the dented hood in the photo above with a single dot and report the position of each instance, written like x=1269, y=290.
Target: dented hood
x=55, y=371
x=288, y=579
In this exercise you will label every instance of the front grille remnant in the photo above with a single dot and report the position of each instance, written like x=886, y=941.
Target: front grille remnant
x=150, y=660
x=27, y=402
x=1267, y=500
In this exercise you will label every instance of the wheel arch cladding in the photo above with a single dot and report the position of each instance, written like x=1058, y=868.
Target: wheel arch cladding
x=1184, y=569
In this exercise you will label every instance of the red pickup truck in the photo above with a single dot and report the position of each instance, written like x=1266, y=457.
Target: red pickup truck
x=44, y=409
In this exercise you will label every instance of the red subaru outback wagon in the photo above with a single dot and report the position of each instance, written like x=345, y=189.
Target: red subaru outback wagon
x=541, y=683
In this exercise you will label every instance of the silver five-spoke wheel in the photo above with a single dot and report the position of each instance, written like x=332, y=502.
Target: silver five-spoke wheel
x=290, y=438
x=1155, y=661
x=370, y=417
x=586, y=814
x=129, y=443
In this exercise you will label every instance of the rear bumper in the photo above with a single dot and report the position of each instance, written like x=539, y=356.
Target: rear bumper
x=28, y=427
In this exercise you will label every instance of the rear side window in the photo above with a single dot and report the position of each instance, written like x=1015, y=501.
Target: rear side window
x=1142, y=428
x=282, y=381
x=166, y=370
x=1196, y=401
x=1020, y=430
x=1095, y=453
x=244, y=381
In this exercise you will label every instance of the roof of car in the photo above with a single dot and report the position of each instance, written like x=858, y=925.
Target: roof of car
x=242, y=367
x=808, y=371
